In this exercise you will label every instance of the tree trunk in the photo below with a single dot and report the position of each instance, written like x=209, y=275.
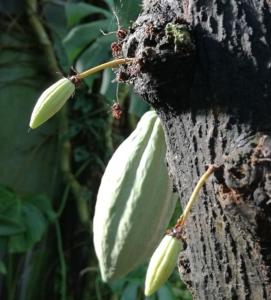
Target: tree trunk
x=213, y=97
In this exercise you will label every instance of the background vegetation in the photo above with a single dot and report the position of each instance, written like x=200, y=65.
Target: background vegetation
x=49, y=177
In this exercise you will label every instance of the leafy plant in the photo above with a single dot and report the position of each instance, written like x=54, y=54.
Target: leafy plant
x=45, y=248
x=23, y=220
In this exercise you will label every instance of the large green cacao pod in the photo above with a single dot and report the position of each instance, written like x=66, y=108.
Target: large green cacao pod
x=135, y=201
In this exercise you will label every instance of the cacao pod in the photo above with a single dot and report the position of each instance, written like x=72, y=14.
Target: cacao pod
x=162, y=263
x=135, y=201
x=51, y=101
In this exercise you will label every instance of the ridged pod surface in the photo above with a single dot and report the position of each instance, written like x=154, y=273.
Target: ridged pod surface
x=162, y=263
x=135, y=201
x=51, y=101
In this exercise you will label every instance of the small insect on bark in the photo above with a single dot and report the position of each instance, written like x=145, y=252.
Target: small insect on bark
x=116, y=110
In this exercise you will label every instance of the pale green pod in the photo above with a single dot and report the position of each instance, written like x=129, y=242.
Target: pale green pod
x=51, y=101
x=135, y=201
x=162, y=263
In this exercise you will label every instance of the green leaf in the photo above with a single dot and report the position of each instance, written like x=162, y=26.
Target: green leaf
x=108, y=89
x=165, y=293
x=126, y=10
x=10, y=227
x=3, y=244
x=23, y=155
x=130, y=291
x=137, y=105
x=12, y=7
x=81, y=36
x=35, y=224
x=10, y=209
x=22, y=220
x=110, y=4
x=97, y=53
x=3, y=269
x=7, y=199
x=77, y=11
x=55, y=17
x=43, y=203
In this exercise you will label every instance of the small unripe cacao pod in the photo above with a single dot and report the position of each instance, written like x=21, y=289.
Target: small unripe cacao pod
x=162, y=263
x=51, y=101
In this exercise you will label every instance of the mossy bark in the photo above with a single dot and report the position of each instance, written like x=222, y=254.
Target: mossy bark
x=214, y=98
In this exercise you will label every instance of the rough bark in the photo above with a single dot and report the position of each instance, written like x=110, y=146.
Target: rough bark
x=214, y=101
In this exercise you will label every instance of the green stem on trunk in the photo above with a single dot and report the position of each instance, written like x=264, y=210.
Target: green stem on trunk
x=109, y=64
x=194, y=196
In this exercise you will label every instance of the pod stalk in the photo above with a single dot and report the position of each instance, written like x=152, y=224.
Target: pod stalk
x=194, y=195
x=110, y=64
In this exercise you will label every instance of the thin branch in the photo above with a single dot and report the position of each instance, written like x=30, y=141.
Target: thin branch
x=43, y=38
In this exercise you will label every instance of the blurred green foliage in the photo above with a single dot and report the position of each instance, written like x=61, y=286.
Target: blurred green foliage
x=46, y=249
